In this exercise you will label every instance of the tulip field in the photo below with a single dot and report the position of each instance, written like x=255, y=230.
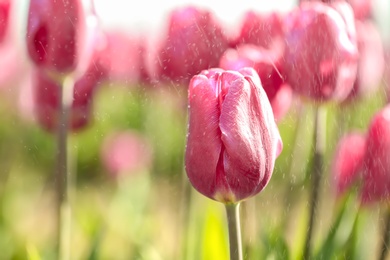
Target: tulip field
x=201, y=136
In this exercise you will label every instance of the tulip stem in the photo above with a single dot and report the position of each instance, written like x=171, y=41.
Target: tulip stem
x=385, y=237
x=63, y=175
x=235, y=244
x=317, y=170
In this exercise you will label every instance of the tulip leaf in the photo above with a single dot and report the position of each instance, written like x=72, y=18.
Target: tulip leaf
x=340, y=230
x=360, y=242
x=275, y=245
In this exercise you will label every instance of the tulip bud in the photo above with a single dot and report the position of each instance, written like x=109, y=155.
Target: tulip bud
x=125, y=152
x=376, y=174
x=371, y=60
x=5, y=6
x=194, y=42
x=348, y=160
x=56, y=34
x=232, y=140
x=13, y=67
x=321, y=51
x=47, y=99
x=263, y=30
x=282, y=101
x=362, y=9
x=268, y=64
x=121, y=57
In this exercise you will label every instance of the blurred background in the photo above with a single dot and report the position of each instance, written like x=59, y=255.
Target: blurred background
x=130, y=195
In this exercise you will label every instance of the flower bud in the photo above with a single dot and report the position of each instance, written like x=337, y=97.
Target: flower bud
x=348, y=160
x=268, y=65
x=126, y=152
x=57, y=35
x=232, y=140
x=262, y=30
x=376, y=174
x=5, y=9
x=47, y=93
x=321, y=51
x=121, y=57
x=371, y=60
x=361, y=8
x=194, y=42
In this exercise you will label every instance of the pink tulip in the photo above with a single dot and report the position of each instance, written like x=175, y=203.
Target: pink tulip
x=268, y=64
x=121, y=57
x=47, y=99
x=348, y=161
x=57, y=35
x=264, y=30
x=371, y=60
x=361, y=8
x=321, y=51
x=386, y=76
x=376, y=174
x=13, y=65
x=281, y=102
x=5, y=7
x=125, y=152
x=233, y=140
x=195, y=41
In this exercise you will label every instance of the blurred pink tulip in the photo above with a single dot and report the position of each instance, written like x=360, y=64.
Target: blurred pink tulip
x=371, y=60
x=348, y=161
x=321, y=51
x=121, y=57
x=46, y=95
x=5, y=9
x=12, y=63
x=362, y=9
x=194, y=42
x=268, y=64
x=126, y=152
x=233, y=140
x=386, y=76
x=262, y=30
x=376, y=173
x=59, y=35
x=281, y=102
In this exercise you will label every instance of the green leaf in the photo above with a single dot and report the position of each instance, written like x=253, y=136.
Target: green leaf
x=340, y=230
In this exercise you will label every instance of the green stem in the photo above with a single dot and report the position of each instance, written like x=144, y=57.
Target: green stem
x=319, y=150
x=62, y=174
x=385, y=237
x=235, y=244
x=296, y=155
x=185, y=214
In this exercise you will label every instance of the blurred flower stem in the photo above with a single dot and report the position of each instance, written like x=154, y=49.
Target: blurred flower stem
x=317, y=172
x=384, y=249
x=185, y=213
x=235, y=244
x=62, y=174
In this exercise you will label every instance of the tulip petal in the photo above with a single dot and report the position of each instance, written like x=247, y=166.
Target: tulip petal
x=376, y=177
x=247, y=127
x=203, y=140
x=348, y=161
